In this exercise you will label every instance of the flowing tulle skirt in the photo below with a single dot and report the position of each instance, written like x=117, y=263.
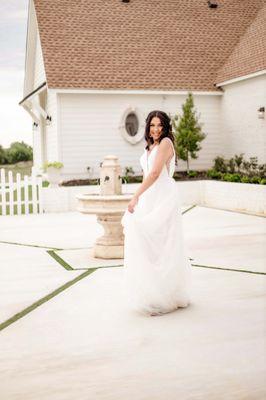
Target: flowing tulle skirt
x=156, y=266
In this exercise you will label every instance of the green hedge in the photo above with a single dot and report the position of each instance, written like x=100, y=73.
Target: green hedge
x=17, y=152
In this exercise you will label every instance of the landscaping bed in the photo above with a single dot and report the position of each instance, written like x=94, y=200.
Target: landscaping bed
x=236, y=169
x=210, y=174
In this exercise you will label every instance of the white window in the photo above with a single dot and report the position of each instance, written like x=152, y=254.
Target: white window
x=132, y=124
x=131, y=127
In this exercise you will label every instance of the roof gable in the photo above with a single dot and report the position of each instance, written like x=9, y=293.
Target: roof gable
x=160, y=45
x=249, y=55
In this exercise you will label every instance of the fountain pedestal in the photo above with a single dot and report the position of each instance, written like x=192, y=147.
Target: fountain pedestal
x=111, y=244
x=109, y=206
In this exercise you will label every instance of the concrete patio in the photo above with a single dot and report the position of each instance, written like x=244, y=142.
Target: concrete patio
x=66, y=332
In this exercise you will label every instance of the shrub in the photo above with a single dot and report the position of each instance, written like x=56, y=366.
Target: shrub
x=19, y=151
x=128, y=175
x=263, y=181
x=231, y=177
x=129, y=171
x=54, y=164
x=220, y=164
x=231, y=166
x=213, y=174
x=245, y=179
x=3, y=155
x=253, y=162
x=262, y=170
x=255, y=179
x=239, y=167
x=192, y=174
x=238, y=159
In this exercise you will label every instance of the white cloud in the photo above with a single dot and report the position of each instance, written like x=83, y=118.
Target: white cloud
x=11, y=82
x=17, y=14
x=15, y=122
x=13, y=9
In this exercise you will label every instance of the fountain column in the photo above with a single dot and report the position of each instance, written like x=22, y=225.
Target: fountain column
x=109, y=206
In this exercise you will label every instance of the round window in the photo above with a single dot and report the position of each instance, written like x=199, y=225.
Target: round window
x=132, y=124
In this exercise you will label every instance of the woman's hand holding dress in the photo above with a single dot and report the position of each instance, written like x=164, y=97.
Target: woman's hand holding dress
x=131, y=205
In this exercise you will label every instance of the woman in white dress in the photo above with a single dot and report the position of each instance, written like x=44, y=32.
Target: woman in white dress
x=156, y=266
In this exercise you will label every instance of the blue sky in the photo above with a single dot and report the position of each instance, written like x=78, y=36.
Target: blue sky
x=15, y=122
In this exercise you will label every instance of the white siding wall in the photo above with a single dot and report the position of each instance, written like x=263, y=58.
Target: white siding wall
x=244, y=132
x=89, y=129
x=51, y=130
x=39, y=72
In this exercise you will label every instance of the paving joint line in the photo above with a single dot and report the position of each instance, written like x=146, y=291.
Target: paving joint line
x=60, y=260
x=87, y=272
x=44, y=299
x=60, y=249
x=101, y=267
x=68, y=267
x=42, y=247
x=30, y=245
x=229, y=269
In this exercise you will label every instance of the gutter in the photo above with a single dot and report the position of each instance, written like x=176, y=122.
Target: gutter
x=35, y=91
x=32, y=107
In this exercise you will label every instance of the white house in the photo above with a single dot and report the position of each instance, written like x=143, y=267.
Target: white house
x=94, y=70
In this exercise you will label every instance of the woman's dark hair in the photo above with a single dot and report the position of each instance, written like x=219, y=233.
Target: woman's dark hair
x=166, y=124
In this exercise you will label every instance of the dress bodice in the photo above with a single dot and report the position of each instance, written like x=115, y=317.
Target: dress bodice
x=147, y=160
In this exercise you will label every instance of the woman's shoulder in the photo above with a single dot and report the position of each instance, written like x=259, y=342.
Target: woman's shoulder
x=166, y=140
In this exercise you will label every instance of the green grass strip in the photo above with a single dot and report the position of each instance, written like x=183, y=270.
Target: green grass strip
x=190, y=208
x=229, y=269
x=60, y=260
x=44, y=299
x=30, y=245
x=68, y=267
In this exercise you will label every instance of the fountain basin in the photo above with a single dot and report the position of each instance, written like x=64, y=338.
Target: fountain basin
x=100, y=204
x=109, y=210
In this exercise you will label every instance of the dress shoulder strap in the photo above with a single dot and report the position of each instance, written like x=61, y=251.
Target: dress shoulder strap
x=173, y=147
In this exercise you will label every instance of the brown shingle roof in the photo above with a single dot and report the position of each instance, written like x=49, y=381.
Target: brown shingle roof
x=155, y=44
x=249, y=55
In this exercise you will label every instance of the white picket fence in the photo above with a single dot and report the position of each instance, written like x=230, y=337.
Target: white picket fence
x=19, y=196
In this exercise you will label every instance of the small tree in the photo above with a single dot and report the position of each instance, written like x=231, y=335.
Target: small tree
x=187, y=131
x=3, y=156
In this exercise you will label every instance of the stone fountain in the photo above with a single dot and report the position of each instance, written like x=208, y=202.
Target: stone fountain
x=109, y=206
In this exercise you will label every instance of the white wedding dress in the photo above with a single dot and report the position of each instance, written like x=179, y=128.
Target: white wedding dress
x=156, y=267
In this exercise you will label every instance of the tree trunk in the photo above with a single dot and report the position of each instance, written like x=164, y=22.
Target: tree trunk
x=187, y=163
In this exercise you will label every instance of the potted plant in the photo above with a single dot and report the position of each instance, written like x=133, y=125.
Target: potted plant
x=53, y=171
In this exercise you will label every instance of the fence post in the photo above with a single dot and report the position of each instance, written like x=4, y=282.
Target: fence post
x=34, y=194
x=40, y=194
x=26, y=194
x=18, y=186
x=11, y=192
x=3, y=191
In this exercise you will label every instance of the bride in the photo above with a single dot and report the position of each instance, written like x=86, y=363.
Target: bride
x=156, y=266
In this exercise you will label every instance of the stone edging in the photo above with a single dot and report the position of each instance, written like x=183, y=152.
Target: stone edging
x=231, y=196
